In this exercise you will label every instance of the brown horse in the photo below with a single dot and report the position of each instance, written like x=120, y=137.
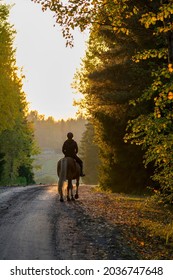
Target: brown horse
x=68, y=169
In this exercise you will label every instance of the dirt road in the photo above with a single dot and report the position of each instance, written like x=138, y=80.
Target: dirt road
x=35, y=225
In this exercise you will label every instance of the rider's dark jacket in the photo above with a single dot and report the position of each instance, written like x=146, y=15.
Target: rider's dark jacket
x=70, y=148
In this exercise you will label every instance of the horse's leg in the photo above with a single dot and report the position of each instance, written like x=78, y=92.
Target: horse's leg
x=68, y=189
x=61, y=172
x=60, y=191
x=72, y=191
x=77, y=186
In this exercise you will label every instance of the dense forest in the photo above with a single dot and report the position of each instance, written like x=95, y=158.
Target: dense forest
x=17, y=145
x=126, y=79
x=126, y=82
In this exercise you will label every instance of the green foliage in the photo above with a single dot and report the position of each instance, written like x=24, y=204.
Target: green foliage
x=108, y=80
x=8, y=78
x=16, y=134
x=154, y=131
x=129, y=57
x=91, y=13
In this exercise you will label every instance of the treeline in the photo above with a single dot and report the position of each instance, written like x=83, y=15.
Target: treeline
x=51, y=134
x=16, y=133
x=126, y=80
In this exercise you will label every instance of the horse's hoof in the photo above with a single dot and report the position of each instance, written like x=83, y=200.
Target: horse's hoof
x=68, y=198
x=72, y=198
x=61, y=199
x=76, y=196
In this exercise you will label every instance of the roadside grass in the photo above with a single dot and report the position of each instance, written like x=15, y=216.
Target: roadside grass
x=145, y=222
x=45, y=167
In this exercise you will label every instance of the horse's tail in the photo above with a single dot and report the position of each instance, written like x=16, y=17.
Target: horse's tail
x=62, y=174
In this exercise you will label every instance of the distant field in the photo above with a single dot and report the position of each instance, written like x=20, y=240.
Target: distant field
x=45, y=166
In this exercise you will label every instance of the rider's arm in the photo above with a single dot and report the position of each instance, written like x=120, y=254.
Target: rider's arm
x=76, y=148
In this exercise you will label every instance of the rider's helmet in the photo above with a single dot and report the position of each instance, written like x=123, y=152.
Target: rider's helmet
x=69, y=135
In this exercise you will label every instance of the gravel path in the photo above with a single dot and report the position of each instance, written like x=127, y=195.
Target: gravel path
x=80, y=233
x=34, y=224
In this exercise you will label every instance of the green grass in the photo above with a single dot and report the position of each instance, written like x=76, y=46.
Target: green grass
x=45, y=166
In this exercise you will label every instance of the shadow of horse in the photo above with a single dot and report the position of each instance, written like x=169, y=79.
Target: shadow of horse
x=68, y=169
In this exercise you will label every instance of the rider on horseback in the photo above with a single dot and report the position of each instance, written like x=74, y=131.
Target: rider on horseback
x=70, y=149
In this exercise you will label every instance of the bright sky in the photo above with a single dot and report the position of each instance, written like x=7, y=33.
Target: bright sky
x=48, y=65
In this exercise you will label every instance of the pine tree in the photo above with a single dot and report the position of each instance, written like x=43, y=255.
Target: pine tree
x=108, y=79
x=144, y=28
x=89, y=155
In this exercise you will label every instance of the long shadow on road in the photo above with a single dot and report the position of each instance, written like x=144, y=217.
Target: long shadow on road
x=78, y=235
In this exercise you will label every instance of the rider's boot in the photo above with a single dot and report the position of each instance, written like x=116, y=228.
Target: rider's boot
x=82, y=174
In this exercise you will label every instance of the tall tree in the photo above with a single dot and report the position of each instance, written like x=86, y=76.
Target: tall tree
x=16, y=135
x=89, y=154
x=108, y=80
x=8, y=96
x=154, y=131
x=153, y=128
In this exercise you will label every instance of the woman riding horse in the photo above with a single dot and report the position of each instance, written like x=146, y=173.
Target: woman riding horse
x=70, y=149
x=69, y=168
